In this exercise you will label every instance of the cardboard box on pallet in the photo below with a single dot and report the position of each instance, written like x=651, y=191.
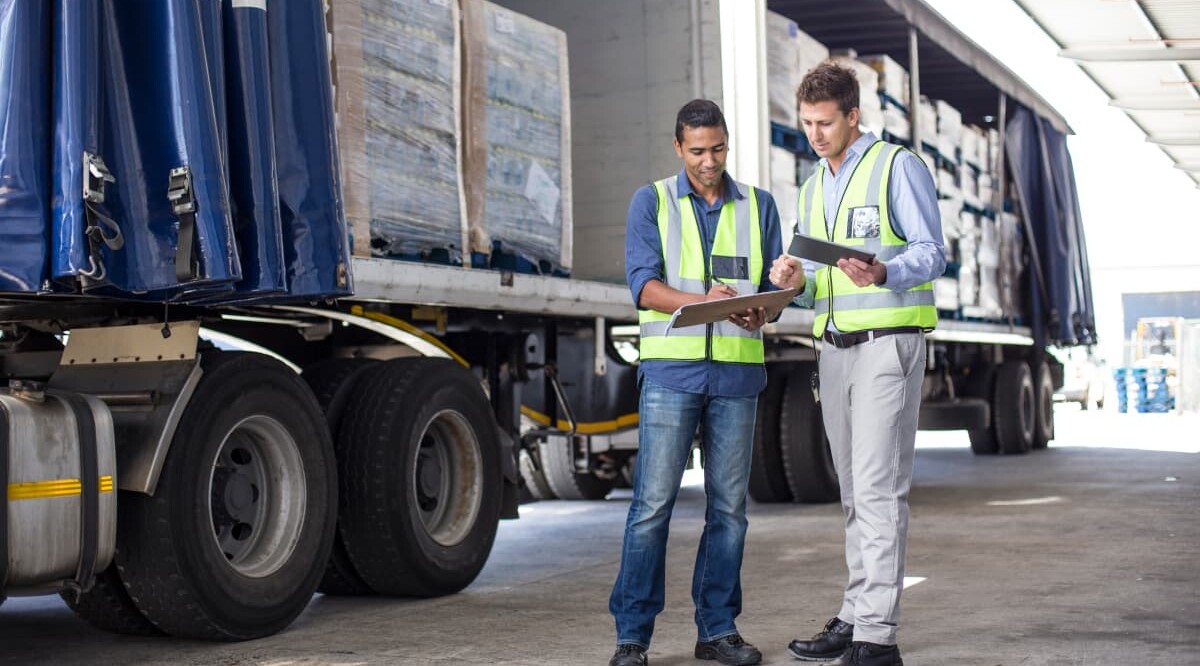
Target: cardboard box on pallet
x=396, y=72
x=783, y=68
x=784, y=189
x=516, y=138
x=893, y=77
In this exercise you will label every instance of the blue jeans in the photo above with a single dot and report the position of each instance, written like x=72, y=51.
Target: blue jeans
x=668, y=421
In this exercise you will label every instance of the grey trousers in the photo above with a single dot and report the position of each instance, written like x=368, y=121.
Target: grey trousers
x=870, y=394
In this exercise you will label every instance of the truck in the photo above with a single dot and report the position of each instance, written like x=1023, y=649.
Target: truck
x=233, y=383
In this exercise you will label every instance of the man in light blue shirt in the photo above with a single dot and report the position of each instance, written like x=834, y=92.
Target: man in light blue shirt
x=871, y=367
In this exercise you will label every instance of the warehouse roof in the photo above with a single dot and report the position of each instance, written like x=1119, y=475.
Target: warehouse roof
x=952, y=67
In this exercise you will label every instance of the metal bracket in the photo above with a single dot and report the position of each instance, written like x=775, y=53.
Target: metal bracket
x=183, y=204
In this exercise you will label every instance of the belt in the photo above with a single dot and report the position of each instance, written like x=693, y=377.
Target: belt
x=846, y=340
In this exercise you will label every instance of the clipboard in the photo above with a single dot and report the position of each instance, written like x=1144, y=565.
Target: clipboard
x=719, y=310
x=824, y=252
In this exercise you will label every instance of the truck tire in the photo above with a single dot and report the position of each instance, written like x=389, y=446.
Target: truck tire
x=420, y=477
x=234, y=540
x=1043, y=386
x=982, y=385
x=558, y=463
x=533, y=476
x=331, y=382
x=108, y=606
x=807, y=460
x=768, y=483
x=1014, y=408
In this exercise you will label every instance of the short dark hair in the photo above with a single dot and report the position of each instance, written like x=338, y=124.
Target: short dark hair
x=699, y=113
x=829, y=81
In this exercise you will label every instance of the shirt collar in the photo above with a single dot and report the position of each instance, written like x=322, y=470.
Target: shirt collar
x=856, y=149
x=684, y=186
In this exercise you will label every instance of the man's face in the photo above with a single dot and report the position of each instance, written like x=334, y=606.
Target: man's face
x=703, y=152
x=829, y=131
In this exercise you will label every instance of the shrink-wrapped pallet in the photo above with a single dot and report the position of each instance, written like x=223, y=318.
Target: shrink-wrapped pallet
x=809, y=52
x=870, y=109
x=945, y=293
x=783, y=68
x=968, y=286
x=927, y=122
x=987, y=190
x=396, y=74
x=516, y=137
x=896, y=123
x=784, y=189
x=947, y=184
x=973, y=146
x=949, y=130
x=893, y=77
x=1011, y=262
x=951, y=223
x=989, y=243
x=968, y=185
x=993, y=152
x=989, y=291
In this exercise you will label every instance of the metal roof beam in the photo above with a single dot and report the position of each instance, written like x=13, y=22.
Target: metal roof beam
x=1156, y=104
x=1133, y=54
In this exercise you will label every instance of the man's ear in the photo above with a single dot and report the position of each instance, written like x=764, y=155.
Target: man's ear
x=853, y=116
x=678, y=148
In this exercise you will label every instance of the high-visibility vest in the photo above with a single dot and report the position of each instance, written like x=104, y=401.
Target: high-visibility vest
x=864, y=222
x=736, y=260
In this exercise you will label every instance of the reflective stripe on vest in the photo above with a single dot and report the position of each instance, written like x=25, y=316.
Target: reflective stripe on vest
x=855, y=308
x=736, y=260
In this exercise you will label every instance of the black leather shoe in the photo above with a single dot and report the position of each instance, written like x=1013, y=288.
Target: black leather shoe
x=830, y=643
x=870, y=654
x=628, y=654
x=730, y=650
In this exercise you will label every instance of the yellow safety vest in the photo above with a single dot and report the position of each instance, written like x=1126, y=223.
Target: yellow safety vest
x=736, y=260
x=863, y=222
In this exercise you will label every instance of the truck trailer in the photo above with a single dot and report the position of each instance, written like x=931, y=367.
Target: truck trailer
x=241, y=368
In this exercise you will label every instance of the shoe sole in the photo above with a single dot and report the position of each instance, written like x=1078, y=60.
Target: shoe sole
x=710, y=654
x=828, y=656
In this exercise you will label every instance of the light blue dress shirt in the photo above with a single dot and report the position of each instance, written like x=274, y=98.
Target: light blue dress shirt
x=913, y=206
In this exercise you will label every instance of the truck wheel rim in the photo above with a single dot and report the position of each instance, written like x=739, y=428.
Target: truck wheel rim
x=257, y=496
x=448, y=478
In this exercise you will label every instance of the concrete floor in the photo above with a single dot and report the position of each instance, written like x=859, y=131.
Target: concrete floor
x=1082, y=554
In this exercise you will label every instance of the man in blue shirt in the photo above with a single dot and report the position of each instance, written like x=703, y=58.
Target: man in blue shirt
x=693, y=237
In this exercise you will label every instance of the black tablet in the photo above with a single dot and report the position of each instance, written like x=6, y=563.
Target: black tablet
x=821, y=251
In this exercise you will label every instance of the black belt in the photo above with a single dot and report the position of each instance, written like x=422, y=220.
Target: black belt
x=846, y=340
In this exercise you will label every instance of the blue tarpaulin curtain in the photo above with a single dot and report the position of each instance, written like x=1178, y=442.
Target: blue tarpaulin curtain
x=1044, y=178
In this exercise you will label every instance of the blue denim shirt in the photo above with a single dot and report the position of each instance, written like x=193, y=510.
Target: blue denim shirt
x=913, y=205
x=644, y=262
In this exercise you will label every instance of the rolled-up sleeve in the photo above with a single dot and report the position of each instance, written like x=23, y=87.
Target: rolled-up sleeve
x=643, y=248
x=914, y=213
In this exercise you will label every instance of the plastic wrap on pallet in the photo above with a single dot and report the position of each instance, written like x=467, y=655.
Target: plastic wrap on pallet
x=784, y=188
x=927, y=121
x=947, y=184
x=968, y=186
x=809, y=52
x=24, y=144
x=951, y=222
x=783, y=68
x=974, y=148
x=517, y=127
x=968, y=241
x=987, y=189
x=896, y=123
x=949, y=130
x=989, y=291
x=993, y=151
x=397, y=73
x=989, y=243
x=893, y=77
x=945, y=293
x=869, y=106
x=1011, y=262
x=968, y=285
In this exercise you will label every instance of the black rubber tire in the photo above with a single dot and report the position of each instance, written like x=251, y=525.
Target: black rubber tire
x=628, y=476
x=176, y=572
x=958, y=414
x=981, y=384
x=400, y=413
x=533, y=477
x=1014, y=408
x=807, y=460
x=331, y=381
x=558, y=464
x=108, y=605
x=1043, y=387
x=768, y=483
